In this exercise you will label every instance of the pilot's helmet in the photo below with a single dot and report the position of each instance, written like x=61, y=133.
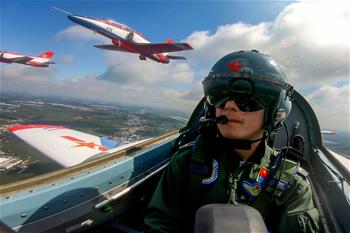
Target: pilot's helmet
x=255, y=81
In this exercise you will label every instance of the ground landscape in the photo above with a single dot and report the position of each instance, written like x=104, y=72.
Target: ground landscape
x=19, y=161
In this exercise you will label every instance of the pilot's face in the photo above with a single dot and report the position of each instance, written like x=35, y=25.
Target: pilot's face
x=240, y=125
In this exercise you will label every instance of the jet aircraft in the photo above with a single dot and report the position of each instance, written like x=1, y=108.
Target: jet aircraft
x=112, y=191
x=43, y=60
x=126, y=39
x=330, y=132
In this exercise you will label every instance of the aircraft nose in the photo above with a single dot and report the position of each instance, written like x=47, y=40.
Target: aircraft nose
x=83, y=21
x=79, y=20
x=74, y=18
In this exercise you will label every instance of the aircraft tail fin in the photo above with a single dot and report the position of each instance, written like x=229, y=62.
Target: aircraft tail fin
x=176, y=57
x=47, y=54
x=169, y=41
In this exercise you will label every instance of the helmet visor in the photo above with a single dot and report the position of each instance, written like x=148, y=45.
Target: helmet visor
x=245, y=103
x=251, y=94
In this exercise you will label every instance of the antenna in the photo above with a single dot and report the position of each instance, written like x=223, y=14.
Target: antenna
x=66, y=12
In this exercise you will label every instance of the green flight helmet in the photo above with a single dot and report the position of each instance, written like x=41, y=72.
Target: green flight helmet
x=251, y=76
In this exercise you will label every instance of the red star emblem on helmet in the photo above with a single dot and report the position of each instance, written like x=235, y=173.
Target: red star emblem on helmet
x=234, y=66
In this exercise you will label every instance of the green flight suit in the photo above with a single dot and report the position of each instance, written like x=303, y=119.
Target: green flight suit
x=181, y=191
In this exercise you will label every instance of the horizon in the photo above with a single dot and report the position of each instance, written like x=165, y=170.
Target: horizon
x=114, y=104
x=85, y=101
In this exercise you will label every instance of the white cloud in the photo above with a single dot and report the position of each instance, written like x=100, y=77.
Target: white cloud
x=309, y=39
x=77, y=32
x=132, y=70
x=227, y=38
x=17, y=79
x=28, y=74
x=67, y=58
x=313, y=41
x=332, y=106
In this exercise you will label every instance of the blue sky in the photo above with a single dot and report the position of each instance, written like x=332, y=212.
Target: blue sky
x=309, y=39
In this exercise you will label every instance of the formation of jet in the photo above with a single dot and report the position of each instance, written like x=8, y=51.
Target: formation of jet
x=125, y=39
x=43, y=60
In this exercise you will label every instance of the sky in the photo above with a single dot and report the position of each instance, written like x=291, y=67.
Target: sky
x=309, y=39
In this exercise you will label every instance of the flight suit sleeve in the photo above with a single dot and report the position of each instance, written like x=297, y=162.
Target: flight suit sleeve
x=299, y=213
x=166, y=211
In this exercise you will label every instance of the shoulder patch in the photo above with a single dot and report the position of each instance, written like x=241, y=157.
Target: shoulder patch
x=214, y=174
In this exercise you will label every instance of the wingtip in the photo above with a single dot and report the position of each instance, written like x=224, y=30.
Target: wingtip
x=188, y=46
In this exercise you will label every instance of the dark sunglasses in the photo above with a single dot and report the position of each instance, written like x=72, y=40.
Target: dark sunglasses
x=244, y=103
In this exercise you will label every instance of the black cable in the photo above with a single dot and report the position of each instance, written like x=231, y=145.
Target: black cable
x=285, y=154
x=280, y=175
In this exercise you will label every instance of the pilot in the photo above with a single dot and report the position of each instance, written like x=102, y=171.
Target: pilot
x=247, y=98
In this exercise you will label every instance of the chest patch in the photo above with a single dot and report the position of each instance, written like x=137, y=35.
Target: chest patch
x=252, y=189
x=214, y=174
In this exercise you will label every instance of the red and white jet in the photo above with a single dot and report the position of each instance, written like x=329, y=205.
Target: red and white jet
x=43, y=60
x=125, y=39
x=329, y=132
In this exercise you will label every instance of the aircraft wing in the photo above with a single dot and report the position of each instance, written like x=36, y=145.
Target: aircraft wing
x=67, y=147
x=112, y=47
x=22, y=59
x=151, y=48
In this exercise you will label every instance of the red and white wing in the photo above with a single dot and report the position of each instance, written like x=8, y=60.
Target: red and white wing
x=65, y=146
x=152, y=48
